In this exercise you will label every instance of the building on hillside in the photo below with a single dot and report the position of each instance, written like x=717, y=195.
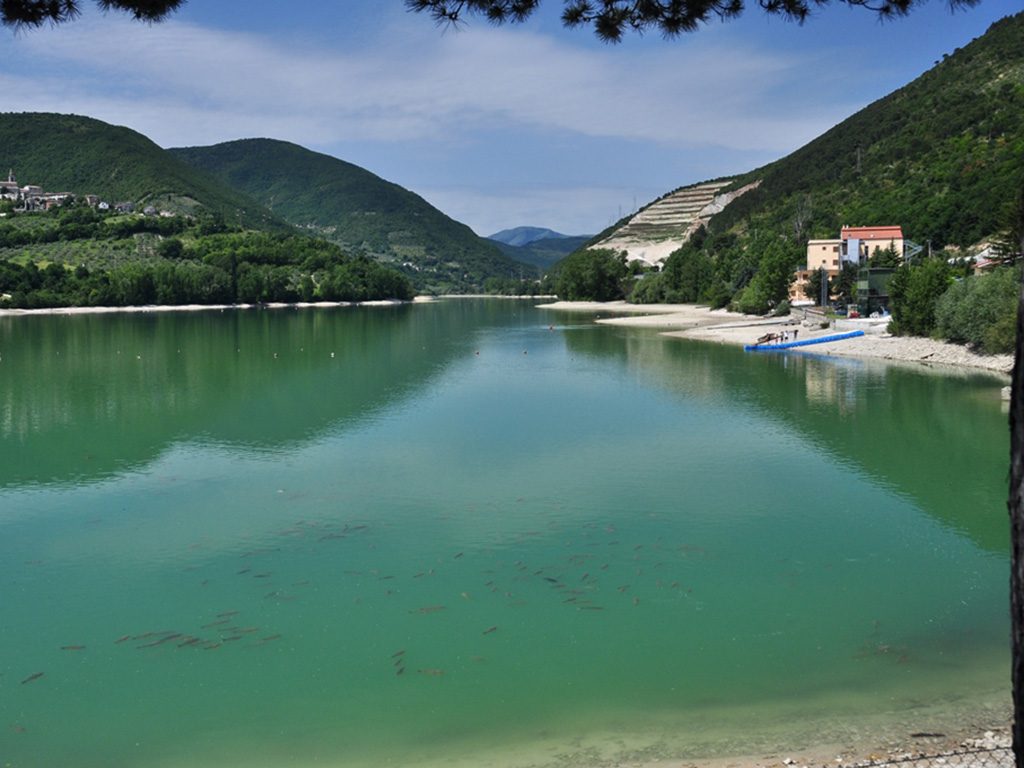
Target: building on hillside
x=854, y=246
x=821, y=254
x=860, y=243
x=9, y=189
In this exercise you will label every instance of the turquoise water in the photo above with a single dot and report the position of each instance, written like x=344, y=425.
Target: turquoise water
x=474, y=532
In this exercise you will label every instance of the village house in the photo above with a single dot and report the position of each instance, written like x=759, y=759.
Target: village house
x=32, y=197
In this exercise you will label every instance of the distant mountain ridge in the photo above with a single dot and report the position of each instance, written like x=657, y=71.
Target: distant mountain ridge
x=520, y=236
x=71, y=153
x=543, y=252
x=356, y=209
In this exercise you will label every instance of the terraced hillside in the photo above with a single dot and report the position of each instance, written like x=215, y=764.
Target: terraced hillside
x=664, y=225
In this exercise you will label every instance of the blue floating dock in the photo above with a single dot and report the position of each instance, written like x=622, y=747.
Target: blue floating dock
x=804, y=343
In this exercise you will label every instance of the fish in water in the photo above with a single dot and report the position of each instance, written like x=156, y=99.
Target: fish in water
x=222, y=614
x=34, y=676
x=190, y=641
x=491, y=629
x=215, y=623
x=431, y=672
x=396, y=654
x=72, y=647
x=458, y=555
x=122, y=639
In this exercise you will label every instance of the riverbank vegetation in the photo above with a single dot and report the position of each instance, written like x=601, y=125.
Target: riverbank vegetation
x=76, y=256
x=940, y=157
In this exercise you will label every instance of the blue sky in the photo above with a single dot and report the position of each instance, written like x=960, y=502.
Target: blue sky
x=498, y=127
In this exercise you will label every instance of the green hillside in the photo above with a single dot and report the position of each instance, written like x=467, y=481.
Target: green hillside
x=943, y=157
x=69, y=153
x=357, y=210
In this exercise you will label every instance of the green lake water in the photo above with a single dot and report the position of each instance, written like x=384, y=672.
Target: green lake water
x=477, y=533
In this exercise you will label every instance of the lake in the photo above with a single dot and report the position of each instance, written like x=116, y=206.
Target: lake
x=473, y=532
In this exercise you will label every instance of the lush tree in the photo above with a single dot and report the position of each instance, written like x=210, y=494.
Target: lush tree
x=844, y=285
x=769, y=286
x=812, y=290
x=914, y=293
x=884, y=257
x=980, y=310
x=591, y=276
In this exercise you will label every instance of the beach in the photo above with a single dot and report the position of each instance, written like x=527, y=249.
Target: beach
x=690, y=321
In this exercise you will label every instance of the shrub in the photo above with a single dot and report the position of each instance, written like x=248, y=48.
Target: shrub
x=980, y=310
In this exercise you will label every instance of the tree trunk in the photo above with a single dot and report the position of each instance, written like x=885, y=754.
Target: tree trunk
x=1016, y=505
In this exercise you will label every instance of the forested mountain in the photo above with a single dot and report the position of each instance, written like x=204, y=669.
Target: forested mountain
x=69, y=153
x=943, y=157
x=542, y=252
x=357, y=210
x=525, y=235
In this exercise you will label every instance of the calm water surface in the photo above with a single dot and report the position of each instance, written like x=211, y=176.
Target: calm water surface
x=450, y=533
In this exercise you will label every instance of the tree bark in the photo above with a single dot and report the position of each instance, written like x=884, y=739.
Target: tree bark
x=1016, y=505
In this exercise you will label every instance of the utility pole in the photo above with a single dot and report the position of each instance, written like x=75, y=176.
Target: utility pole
x=824, y=288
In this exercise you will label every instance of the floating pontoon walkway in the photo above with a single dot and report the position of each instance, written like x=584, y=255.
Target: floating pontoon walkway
x=804, y=343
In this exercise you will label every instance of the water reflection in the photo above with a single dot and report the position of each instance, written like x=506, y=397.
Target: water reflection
x=82, y=397
x=939, y=438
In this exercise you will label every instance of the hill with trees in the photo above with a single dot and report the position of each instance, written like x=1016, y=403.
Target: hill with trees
x=352, y=207
x=943, y=157
x=70, y=153
x=538, y=248
x=76, y=255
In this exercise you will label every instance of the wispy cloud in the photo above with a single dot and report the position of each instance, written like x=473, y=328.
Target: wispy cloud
x=182, y=83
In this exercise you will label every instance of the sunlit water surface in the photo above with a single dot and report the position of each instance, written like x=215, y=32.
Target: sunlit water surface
x=474, y=532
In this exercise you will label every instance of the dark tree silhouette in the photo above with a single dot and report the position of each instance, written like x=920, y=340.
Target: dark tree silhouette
x=611, y=19
x=1016, y=502
x=33, y=13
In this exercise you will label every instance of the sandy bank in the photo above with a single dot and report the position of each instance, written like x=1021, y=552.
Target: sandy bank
x=908, y=349
x=694, y=322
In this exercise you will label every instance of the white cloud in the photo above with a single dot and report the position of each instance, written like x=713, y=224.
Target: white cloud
x=181, y=83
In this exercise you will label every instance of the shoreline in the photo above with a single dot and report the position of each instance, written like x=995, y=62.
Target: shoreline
x=162, y=308
x=690, y=321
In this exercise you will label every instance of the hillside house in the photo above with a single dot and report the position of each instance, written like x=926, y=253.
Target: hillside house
x=855, y=245
x=859, y=243
x=9, y=189
x=31, y=197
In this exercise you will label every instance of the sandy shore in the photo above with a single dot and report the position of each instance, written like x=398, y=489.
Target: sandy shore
x=694, y=322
